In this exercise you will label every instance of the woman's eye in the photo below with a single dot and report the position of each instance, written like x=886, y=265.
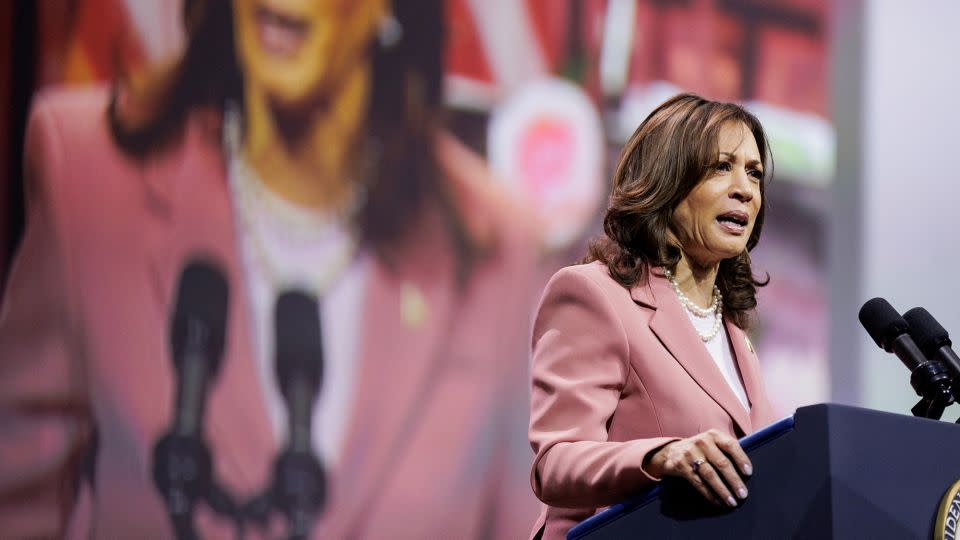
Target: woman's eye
x=758, y=174
x=724, y=166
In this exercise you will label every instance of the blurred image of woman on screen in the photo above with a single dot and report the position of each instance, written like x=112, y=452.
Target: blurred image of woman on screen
x=641, y=367
x=294, y=145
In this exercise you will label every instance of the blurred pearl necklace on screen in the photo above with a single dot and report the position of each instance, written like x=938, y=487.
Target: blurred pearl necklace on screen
x=251, y=190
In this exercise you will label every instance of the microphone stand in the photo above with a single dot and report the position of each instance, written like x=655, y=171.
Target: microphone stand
x=298, y=489
x=182, y=475
x=931, y=381
x=181, y=468
x=955, y=392
x=299, y=485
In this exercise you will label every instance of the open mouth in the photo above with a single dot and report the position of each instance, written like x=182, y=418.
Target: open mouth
x=280, y=34
x=734, y=222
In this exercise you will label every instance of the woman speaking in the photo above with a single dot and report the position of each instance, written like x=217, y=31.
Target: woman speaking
x=299, y=145
x=641, y=368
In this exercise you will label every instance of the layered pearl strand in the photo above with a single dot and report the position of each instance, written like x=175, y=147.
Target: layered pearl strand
x=715, y=310
x=249, y=190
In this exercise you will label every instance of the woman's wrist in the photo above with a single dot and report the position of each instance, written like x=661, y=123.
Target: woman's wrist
x=653, y=462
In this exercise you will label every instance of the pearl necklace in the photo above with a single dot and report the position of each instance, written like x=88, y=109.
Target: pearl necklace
x=715, y=310
x=249, y=189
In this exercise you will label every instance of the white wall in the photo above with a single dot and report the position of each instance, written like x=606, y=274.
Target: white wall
x=895, y=227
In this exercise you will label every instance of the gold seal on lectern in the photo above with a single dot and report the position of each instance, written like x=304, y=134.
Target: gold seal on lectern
x=948, y=517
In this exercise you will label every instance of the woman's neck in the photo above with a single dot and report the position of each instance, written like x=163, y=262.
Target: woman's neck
x=696, y=281
x=305, y=157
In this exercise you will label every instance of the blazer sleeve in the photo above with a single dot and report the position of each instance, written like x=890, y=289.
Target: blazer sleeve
x=580, y=365
x=42, y=416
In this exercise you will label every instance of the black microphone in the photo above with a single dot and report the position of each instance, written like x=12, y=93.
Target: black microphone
x=930, y=379
x=299, y=481
x=933, y=341
x=299, y=362
x=182, y=470
x=890, y=331
x=197, y=334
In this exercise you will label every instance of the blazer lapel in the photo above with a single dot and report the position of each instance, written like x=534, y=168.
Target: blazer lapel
x=189, y=201
x=669, y=322
x=406, y=312
x=749, y=368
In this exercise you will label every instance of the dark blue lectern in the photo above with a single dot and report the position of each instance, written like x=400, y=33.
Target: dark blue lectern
x=829, y=471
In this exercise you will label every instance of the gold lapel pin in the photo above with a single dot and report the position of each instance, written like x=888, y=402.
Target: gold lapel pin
x=413, y=306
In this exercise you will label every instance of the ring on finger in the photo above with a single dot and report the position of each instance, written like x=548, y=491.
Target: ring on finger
x=697, y=463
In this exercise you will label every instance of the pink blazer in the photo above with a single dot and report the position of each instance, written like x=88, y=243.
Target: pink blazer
x=435, y=443
x=618, y=373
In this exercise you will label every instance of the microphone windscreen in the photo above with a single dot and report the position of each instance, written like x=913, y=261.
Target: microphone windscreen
x=882, y=322
x=928, y=334
x=299, y=349
x=199, y=318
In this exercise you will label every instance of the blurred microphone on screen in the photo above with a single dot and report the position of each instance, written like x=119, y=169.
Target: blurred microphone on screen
x=182, y=470
x=298, y=489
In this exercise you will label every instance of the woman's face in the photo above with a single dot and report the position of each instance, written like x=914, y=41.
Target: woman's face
x=295, y=51
x=715, y=220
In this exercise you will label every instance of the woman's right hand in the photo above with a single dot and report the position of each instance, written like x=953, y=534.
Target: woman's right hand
x=711, y=461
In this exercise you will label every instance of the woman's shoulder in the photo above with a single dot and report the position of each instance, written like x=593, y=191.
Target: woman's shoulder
x=75, y=121
x=590, y=278
x=74, y=100
x=595, y=271
x=69, y=140
x=70, y=147
x=77, y=116
x=75, y=170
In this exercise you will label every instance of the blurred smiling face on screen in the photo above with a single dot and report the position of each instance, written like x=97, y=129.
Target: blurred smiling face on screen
x=297, y=52
x=716, y=218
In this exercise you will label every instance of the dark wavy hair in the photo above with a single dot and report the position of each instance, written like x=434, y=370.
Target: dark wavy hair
x=395, y=160
x=666, y=157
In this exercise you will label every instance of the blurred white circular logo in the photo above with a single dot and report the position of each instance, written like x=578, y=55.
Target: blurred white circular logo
x=545, y=142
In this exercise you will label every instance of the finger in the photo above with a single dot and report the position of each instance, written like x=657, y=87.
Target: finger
x=719, y=488
x=732, y=448
x=701, y=487
x=726, y=469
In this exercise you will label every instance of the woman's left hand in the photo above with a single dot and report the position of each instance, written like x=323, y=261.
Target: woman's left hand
x=711, y=461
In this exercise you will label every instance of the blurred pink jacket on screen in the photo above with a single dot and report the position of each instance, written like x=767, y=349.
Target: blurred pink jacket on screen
x=435, y=443
x=612, y=365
